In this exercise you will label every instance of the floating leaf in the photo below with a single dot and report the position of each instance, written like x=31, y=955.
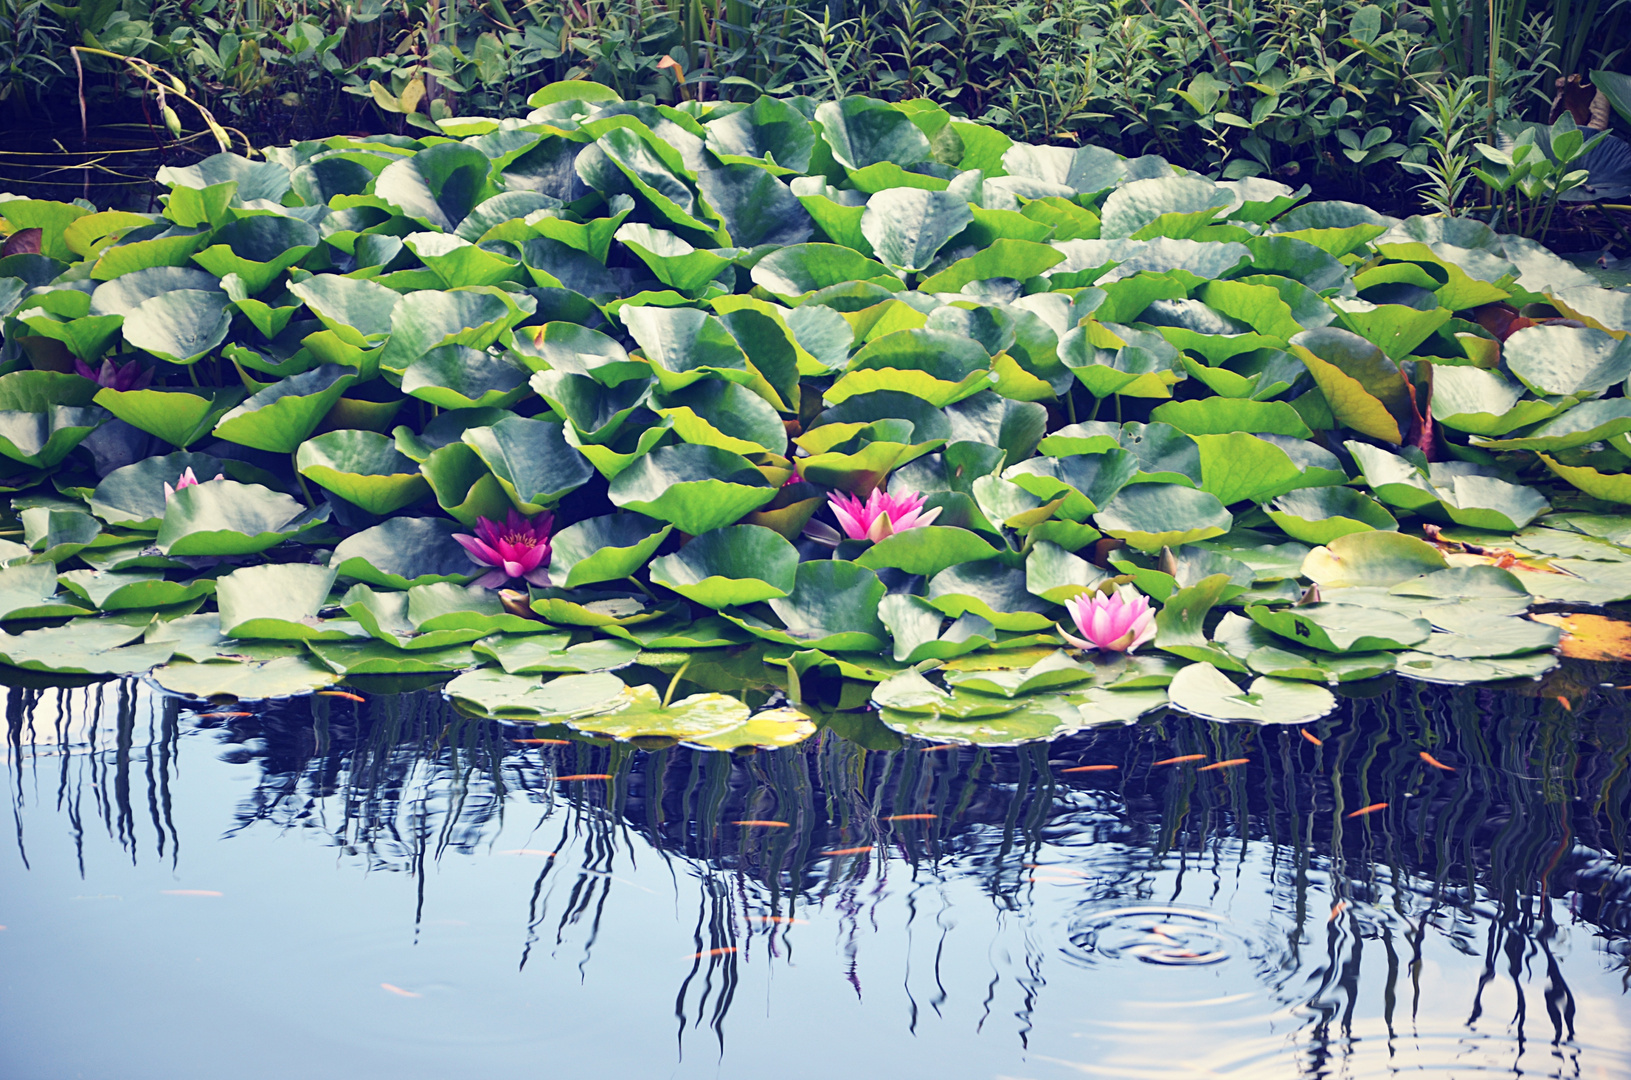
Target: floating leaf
x=404, y=552
x=738, y=565
x=697, y=488
x=1204, y=691
x=224, y=517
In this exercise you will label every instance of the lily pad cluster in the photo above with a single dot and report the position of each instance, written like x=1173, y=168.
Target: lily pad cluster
x=657, y=346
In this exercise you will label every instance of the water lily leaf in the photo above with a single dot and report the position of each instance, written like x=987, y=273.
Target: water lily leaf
x=1562, y=359
x=385, y=616
x=282, y=416
x=29, y=591
x=249, y=680
x=1320, y=515
x=863, y=131
x=916, y=626
x=464, y=486
x=622, y=160
x=224, y=517
x=857, y=456
x=531, y=460
x=716, y=412
x=139, y=590
x=492, y=692
x=909, y=692
x=1371, y=558
x=445, y=606
x=1395, y=329
x=684, y=345
x=459, y=377
x=935, y=365
x=182, y=326
x=697, y=488
x=1056, y=575
x=926, y=550
x=1222, y=416
x=1425, y=667
x=595, y=411
x=1610, y=487
x=833, y=606
x=697, y=717
x=610, y=612
x=83, y=647
x=1244, y=468
x=43, y=439
x=437, y=186
x=605, y=548
x=1114, y=359
x=357, y=310
x=178, y=417
x=535, y=654
x=1592, y=421
x=769, y=132
x=792, y=274
x=1342, y=628
x=364, y=468
x=404, y=552
x=1150, y=517
x=1485, y=638
x=671, y=260
x=1484, y=402
x=1202, y=690
x=60, y=534
x=907, y=226
x=474, y=317
x=1034, y=720
x=1085, y=482
x=133, y=496
x=86, y=337
x=1489, y=503
x=1393, y=479
x=738, y=565
x=770, y=729
x=1362, y=385
x=257, y=249
x=350, y=658
x=279, y=601
x=992, y=591
x=1054, y=671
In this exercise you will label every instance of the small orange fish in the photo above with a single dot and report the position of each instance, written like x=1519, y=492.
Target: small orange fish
x=852, y=850
x=348, y=695
x=398, y=991
x=1563, y=701
x=1315, y=739
x=543, y=742
x=584, y=776
x=529, y=851
x=1223, y=764
x=222, y=715
x=1180, y=759
x=1435, y=762
x=1371, y=809
x=191, y=892
x=911, y=817
x=942, y=746
x=784, y=919
x=1090, y=768
x=1337, y=909
x=751, y=822
x=711, y=952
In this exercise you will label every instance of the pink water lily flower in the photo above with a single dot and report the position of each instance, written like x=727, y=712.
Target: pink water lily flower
x=519, y=548
x=1116, y=622
x=881, y=515
x=186, y=480
x=131, y=376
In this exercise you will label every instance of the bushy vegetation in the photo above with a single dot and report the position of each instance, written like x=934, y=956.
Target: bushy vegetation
x=861, y=389
x=1340, y=94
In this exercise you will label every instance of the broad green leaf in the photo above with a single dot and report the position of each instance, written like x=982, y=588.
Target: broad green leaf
x=405, y=551
x=437, y=186
x=258, y=249
x=863, y=131
x=1486, y=403
x=1150, y=517
x=133, y=496
x=87, y=647
x=531, y=461
x=1319, y=515
x=605, y=548
x=992, y=591
x=364, y=468
x=475, y=317
x=250, y=679
x=674, y=262
x=138, y=590
x=716, y=412
x=907, y=227
x=178, y=417
x=492, y=692
x=833, y=605
x=1053, y=671
x=1363, y=387
x=536, y=654
x=43, y=439
x=459, y=377
x=737, y=565
x=359, y=311
x=1371, y=558
x=792, y=274
x=1202, y=690
x=697, y=488
x=350, y=658
x=281, y=417
x=1342, y=628
x=926, y=550
x=29, y=591
x=1565, y=359
x=915, y=625
x=279, y=601
x=1395, y=329
x=224, y=517
x=1589, y=422
x=182, y=326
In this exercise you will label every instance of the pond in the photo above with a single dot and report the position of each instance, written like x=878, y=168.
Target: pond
x=1429, y=879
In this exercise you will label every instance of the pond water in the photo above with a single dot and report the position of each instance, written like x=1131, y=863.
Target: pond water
x=332, y=888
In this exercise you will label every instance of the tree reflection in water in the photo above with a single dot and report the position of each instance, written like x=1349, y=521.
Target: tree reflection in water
x=1527, y=826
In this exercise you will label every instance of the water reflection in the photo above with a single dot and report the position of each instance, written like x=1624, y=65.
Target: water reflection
x=1107, y=905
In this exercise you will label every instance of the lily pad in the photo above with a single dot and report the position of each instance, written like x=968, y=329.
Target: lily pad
x=697, y=488
x=535, y=654
x=84, y=647
x=404, y=552
x=525, y=697
x=1202, y=690
x=1150, y=517
x=224, y=517
x=364, y=468
x=605, y=548
x=738, y=565
x=1342, y=628
x=277, y=602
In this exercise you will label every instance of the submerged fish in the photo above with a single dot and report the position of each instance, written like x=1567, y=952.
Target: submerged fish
x=852, y=850
x=348, y=695
x=584, y=776
x=911, y=817
x=1435, y=762
x=1371, y=809
x=1315, y=739
x=1090, y=768
x=750, y=822
x=1180, y=759
x=1223, y=764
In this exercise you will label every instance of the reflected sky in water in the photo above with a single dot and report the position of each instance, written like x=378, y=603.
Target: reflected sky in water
x=329, y=888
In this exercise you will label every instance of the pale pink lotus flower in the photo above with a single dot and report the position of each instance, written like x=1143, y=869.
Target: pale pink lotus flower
x=1115, y=622
x=519, y=548
x=882, y=514
x=186, y=480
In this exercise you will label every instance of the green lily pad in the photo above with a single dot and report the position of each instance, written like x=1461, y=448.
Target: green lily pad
x=224, y=517
x=1202, y=690
x=134, y=590
x=697, y=488
x=178, y=417
x=364, y=468
x=277, y=602
x=83, y=647
x=1320, y=515
x=833, y=605
x=182, y=326
x=534, y=654
x=926, y=550
x=1150, y=517
x=1342, y=628
x=1563, y=359
x=29, y=591
x=1454, y=671
x=404, y=552
x=1487, y=403
x=531, y=461
x=992, y=591
x=386, y=616
x=1371, y=558
x=42, y=439
x=1053, y=671
x=1592, y=421
x=246, y=680
x=1035, y=720
x=282, y=416
x=605, y=548
x=459, y=377
x=910, y=692
x=737, y=565
x=350, y=658
x=916, y=627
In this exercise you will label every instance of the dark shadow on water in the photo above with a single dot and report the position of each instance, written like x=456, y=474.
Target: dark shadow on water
x=1517, y=842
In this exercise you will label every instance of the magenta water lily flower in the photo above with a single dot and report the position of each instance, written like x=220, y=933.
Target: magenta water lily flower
x=131, y=376
x=881, y=514
x=1115, y=622
x=186, y=480
x=518, y=548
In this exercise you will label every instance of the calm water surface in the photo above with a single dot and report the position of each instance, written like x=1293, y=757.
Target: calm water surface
x=327, y=888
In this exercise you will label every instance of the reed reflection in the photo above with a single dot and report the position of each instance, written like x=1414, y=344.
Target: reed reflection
x=1493, y=820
